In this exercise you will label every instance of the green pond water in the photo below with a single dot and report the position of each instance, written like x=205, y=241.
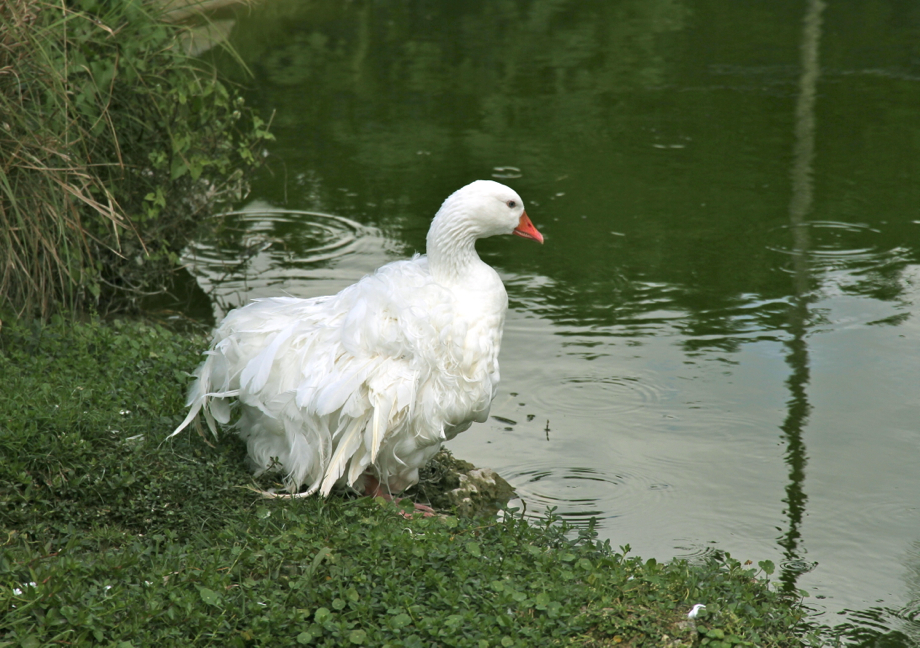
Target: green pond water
x=718, y=347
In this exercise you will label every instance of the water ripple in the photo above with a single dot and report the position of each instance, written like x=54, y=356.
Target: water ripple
x=833, y=244
x=314, y=238
x=264, y=251
x=596, y=394
x=580, y=493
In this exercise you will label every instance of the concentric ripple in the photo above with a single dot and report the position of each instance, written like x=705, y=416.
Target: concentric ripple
x=831, y=244
x=264, y=251
x=579, y=494
x=596, y=394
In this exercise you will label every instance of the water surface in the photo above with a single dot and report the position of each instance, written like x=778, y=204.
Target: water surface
x=718, y=347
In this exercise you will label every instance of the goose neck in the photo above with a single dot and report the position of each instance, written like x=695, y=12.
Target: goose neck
x=451, y=248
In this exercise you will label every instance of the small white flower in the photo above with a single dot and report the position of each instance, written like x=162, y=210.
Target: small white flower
x=695, y=610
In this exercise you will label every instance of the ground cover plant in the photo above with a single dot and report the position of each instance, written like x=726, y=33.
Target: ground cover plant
x=111, y=536
x=114, y=143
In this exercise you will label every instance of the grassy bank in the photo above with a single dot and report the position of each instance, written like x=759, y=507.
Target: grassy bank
x=112, y=537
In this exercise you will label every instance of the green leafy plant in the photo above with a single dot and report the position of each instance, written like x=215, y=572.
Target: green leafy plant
x=111, y=535
x=113, y=145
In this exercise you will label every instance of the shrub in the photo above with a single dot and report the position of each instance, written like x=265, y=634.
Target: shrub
x=113, y=145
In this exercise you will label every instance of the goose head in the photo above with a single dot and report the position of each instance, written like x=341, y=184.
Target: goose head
x=485, y=208
x=480, y=209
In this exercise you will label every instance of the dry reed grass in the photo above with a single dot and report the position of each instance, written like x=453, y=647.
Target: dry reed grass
x=112, y=140
x=47, y=180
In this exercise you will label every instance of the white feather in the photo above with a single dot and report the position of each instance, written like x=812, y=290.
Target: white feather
x=373, y=379
x=348, y=443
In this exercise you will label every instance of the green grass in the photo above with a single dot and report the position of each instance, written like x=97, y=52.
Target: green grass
x=132, y=541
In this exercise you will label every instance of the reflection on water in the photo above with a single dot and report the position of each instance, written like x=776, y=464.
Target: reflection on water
x=716, y=349
x=799, y=408
x=872, y=628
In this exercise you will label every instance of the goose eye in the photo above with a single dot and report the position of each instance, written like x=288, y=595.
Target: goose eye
x=511, y=204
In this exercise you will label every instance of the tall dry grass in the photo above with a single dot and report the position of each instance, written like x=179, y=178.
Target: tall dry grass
x=113, y=141
x=47, y=181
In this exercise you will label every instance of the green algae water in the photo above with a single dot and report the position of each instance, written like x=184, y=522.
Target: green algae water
x=718, y=347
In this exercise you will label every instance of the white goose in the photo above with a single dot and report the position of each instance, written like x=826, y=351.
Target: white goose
x=361, y=388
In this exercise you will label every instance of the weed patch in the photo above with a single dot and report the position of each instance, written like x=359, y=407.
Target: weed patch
x=111, y=536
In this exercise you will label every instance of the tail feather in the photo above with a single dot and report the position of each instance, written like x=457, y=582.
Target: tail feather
x=383, y=408
x=348, y=444
x=200, y=400
x=210, y=420
x=359, y=463
x=257, y=370
x=196, y=407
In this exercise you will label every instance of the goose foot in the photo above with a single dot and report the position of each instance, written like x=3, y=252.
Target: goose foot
x=373, y=488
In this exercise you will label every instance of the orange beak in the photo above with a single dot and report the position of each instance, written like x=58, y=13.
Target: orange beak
x=526, y=229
